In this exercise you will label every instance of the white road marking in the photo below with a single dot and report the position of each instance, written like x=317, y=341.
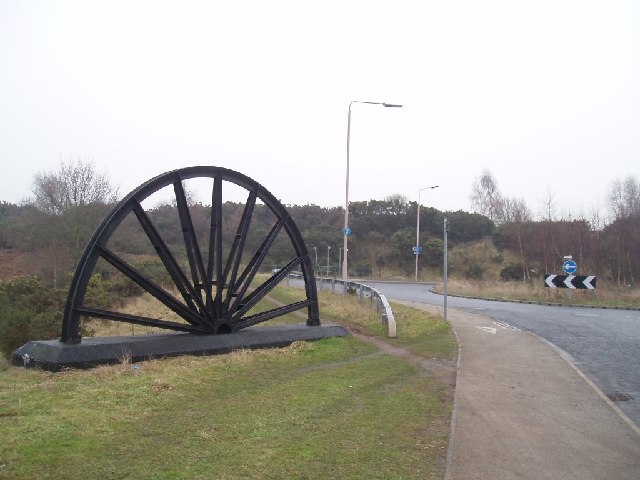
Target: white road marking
x=506, y=326
x=585, y=315
x=488, y=330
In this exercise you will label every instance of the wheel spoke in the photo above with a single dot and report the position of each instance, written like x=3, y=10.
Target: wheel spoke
x=215, y=249
x=140, y=320
x=190, y=240
x=233, y=275
x=249, y=273
x=262, y=291
x=185, y=288
x=151, y=287
x=269, y=314
x=235, y=256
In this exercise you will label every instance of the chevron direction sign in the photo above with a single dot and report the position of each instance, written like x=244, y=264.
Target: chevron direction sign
x=570, y=281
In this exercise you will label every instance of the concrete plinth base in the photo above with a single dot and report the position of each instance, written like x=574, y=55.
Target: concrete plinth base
x=53, y=355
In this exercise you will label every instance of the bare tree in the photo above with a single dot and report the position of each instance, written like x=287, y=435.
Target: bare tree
x=485, y=197
x=624, y=201
x=624, y=197
x=516, y=211
x=70, y=202
x=74, y=184
x=548, y=207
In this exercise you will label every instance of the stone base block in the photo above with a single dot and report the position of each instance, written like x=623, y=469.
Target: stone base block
x=53, y=355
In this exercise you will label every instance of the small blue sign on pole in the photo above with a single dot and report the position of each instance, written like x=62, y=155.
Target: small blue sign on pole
x=569, y=267
x=416, y=250
x=346, y=231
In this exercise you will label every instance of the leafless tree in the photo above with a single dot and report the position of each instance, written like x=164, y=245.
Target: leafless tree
x=69, y=203
x=74, y=184
x=624, y=201
x=624, y=197
x=516, y=211
x=548, y=210
x=485, y=197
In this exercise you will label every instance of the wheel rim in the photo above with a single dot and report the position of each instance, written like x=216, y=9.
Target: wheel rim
x=216, y=286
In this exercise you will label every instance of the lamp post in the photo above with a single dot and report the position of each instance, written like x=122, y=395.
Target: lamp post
x=345, y=230
x=417, y=252
x=446, y=265
x=328, y=249
x=315, y=249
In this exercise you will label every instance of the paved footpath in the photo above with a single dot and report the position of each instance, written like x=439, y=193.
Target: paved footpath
x=524, y=412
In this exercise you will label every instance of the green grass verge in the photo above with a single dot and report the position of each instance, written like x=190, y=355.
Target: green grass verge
x=335, y=408
x=422, y=333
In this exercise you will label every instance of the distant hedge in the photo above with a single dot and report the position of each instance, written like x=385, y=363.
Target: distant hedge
x=29, y=310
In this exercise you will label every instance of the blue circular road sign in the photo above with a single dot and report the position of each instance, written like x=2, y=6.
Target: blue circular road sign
x=346, y=231
x=569, y=267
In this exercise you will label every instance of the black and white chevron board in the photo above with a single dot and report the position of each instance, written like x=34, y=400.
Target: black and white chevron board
x=587, y=282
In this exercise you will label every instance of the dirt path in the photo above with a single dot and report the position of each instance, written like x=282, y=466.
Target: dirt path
x=443, y=370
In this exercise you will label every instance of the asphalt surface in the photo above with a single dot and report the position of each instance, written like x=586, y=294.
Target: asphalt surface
x=522, y=411
x=527, y=404
x=604, y=344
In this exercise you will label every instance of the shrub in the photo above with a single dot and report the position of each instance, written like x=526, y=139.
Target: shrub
x=123, y=287
x=474, y=271
x=28, y=311
x=98, y=292
x=511, y=272
x=31, y=311
x=155, y=270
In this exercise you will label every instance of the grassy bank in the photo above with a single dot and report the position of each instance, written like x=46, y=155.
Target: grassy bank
x=605, y=295
x=337, y=408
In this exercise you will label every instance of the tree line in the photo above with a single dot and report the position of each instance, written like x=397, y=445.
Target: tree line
x=607, y=249
x=52, y=227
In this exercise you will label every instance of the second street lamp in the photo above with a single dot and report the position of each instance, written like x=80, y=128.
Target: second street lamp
x=417, y=247
x=346, y=231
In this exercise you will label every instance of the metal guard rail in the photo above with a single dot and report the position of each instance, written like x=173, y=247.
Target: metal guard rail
x=382, y=305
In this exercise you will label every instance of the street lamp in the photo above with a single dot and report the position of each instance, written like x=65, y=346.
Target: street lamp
x=446, y=264
x=417, y=251
x=315, y=249
x=328, y=249
x=345, y=230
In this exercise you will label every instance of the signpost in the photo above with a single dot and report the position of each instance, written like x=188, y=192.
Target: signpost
x=570, y=281
x=570, y=267
x=580, y=282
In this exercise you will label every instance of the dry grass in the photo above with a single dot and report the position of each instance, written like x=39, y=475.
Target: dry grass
x=535, y=291
x=144, y=305
x=147, y=306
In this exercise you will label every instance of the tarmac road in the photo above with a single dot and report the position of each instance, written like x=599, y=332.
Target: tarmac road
x=523, y=408
x=604, y=344
x=522, y=411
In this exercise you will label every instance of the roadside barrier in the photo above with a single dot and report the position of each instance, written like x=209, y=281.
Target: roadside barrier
x=363, y=291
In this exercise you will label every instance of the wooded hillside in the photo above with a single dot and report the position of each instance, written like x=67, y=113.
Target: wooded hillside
x=46, y=235
x=48, y=244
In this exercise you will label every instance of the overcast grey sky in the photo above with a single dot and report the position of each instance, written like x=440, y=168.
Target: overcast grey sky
x=544, y=94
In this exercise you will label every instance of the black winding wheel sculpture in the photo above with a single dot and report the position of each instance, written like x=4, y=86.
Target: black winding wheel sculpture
x=212, y=284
